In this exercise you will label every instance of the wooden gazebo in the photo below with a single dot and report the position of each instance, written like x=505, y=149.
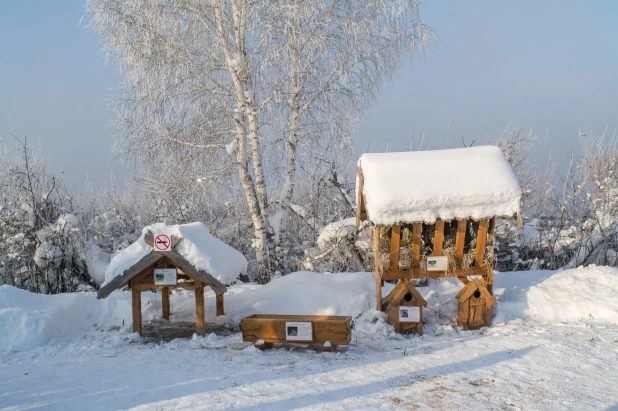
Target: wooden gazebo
x=141, y=277
x=432, y=195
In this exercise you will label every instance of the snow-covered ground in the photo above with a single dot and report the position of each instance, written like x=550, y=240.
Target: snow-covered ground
x=553, y=345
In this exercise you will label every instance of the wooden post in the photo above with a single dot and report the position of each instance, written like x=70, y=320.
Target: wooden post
x=481, y=241
x=490, y=270
x=378, y=267
x=136, y=297
x=394, y=255
x=460, y=241
x=200, y=320
x=220, y=306
x=416, y=244
x=165, y=302
x=438, y=239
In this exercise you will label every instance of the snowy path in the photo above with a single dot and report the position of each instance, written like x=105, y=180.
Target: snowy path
x=518, y=365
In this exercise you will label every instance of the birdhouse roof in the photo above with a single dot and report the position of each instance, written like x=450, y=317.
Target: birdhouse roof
x=426, y=186
x=402, y=289
x=468, y=290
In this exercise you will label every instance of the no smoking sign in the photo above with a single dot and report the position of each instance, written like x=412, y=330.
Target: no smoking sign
x=162, y=243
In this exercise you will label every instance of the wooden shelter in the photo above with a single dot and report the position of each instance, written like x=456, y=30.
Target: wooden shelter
x=432, y=195
x=141, y=277
x=405, y=295
x=475, y=303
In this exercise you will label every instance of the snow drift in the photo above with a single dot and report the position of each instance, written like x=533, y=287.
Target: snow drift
x=198, y=246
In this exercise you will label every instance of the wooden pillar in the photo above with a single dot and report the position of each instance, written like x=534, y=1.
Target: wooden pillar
x=438, y=239
x=481, y=241
x=137, y=310
x=460, y=241
x=394, y=254
x=165, y=302
x=200, y=320
x=378, y=267
x=416, y=244
x=220, y=306
x=490, y=270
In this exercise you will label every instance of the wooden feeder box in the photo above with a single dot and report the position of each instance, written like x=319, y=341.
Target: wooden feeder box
x=475, y=303
x=326, y=330
x=405, y=308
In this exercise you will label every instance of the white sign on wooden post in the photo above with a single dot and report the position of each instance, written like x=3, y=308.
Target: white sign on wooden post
x=409, y=314
x=162, y=242
x=298, y=331
x=165, y=276
x=437, y=263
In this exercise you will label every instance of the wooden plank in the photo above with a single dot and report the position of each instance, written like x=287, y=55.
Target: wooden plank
x=438, y=238
x=394, y=255
x=128, y=275
x=417, y=273
x=360, y=199
x=490, y=242
x=220, y=305
x=481, y=242
x=272, y=330
x=460, y=240
x=378, y=266
x=303, y=317
x=416, y=244
x=136, y=302
x=200, y=317
x=165, y=302
x=463, y=313
x=147, y=286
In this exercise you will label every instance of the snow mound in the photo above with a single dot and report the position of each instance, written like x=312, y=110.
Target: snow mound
x=29, y=320
x=305, y=292
x=577, y=295
x=474, y=182
x=336, y=231
x=198, y=246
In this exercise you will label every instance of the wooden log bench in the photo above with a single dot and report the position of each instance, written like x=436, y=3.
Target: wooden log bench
x=326, y=330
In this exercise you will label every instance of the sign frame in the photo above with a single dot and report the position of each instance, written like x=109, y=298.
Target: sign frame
x=166, y=276
x=409, y=314
x=299, y=331
x=437, y=263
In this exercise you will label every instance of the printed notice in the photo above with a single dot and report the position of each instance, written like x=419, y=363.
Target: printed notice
x=437, y=263
x=298, y=331
x=165, y=276
x=409, y=314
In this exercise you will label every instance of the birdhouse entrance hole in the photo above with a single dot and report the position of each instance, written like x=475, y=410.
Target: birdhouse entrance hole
x=477, y=294
x=408, y=297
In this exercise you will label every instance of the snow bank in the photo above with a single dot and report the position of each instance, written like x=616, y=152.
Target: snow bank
x=198, y=246
x=578, y=295
x=30, y=320
x=305, y=292
x=423, y=186
x=336, y=231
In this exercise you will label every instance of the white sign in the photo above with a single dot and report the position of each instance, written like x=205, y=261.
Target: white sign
x=298, y=331
x=437, y=263
x=165, y=276
x=162, y=242
x=409, y=314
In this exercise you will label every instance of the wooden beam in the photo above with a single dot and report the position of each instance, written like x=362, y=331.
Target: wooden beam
x=378, y=266
x=150, y=286
x=417, y=273
x=136, y=302
x=460, y=241
x=490, y=242
x=394, y=255
x=417, y=230
x=165, y=302
x=200, y=317
x=220, y=305
x=360, y=199
x=481, y=242
x=438, y=238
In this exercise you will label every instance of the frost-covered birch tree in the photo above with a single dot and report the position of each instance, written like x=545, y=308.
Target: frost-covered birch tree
x=241, y=89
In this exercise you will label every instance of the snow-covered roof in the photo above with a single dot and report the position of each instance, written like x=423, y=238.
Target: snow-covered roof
x=425, y=186
x=198, y=247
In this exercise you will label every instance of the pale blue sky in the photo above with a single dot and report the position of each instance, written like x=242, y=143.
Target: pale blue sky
x=541, y=64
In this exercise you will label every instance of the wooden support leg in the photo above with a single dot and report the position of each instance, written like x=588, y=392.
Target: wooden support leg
x=220, y=305
x=378, y=268
x=165, y=302
x=137, y=311
x=200, y=320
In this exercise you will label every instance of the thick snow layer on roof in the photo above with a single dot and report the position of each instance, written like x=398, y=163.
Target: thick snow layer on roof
x=198, y=246
x=424, y=186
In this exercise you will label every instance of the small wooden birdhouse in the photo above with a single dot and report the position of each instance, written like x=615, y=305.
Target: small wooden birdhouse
x=405, y=308
x=475, y=303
